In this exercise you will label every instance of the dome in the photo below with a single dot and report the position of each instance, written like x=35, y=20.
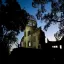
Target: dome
x=32, y=21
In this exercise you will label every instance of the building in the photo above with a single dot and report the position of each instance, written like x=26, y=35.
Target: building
x=33, y=37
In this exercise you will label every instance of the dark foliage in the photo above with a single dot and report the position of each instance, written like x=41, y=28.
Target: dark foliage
x=12, y=16
x=57, y=6
x=35, y=55
x=12, y=20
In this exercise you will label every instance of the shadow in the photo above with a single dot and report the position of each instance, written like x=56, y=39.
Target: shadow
x=34, y=56
x=27, y=55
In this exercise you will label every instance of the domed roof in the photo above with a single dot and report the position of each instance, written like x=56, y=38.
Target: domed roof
x=32, y=21
x=31, y=17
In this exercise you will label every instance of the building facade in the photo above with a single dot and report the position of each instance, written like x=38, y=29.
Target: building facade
x=33, y=37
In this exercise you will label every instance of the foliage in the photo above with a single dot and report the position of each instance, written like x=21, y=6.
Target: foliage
x=57, y=6
x=13, y=19
x=10, y=37
x=12, y=16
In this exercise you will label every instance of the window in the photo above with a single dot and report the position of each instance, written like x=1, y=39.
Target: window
x=28, y=33
x=30, y=23
x=55, y=46
x=60, y=46
x=29, y=44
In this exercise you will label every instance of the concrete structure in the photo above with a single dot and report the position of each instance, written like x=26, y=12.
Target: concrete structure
x=33, y=37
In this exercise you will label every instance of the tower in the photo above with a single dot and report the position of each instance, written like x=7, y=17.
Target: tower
x=32, y=35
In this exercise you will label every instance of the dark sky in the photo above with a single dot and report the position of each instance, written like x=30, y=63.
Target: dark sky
x=27, y=5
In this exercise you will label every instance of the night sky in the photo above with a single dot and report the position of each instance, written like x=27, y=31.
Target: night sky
x=27, y=5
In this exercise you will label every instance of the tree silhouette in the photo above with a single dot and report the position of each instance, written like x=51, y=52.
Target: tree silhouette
x=13, y=19
x=57, y=6
x=16, y=17
x=9, y=39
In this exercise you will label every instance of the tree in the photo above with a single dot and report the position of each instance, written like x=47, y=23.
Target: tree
x=12, y=19
x=57, y=6
x=9, y=39
x=12, y=16
x=16, y=17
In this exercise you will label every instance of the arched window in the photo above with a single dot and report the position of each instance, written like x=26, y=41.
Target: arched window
x=29, y=33
x=29, y=44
